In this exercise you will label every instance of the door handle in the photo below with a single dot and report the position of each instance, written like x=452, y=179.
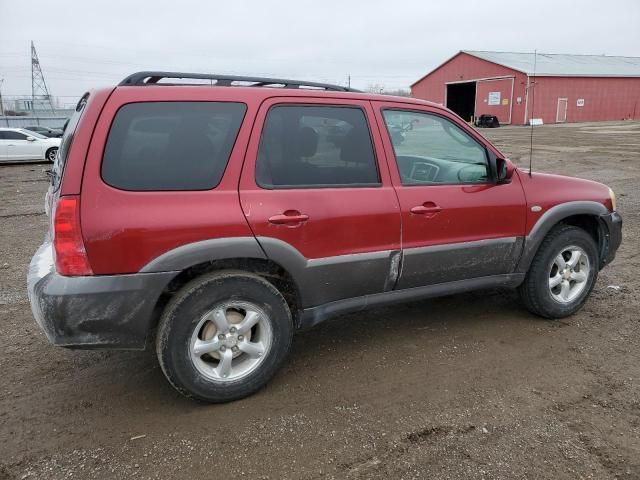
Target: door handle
x=427, y=208
x=290, y=217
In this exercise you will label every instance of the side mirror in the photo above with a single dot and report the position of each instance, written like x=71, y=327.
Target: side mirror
x=31, y=139
x=504, y=170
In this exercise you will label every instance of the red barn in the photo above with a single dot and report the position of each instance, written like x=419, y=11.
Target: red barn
x=567, y=88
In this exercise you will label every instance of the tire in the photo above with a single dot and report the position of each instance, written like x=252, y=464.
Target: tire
x=574, y=245
x=50, y=156
x=182, y=336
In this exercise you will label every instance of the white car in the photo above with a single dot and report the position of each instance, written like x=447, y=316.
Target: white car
x=18, y=144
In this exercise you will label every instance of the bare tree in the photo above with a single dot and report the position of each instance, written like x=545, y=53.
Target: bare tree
x=375, y=88
x=380, y=89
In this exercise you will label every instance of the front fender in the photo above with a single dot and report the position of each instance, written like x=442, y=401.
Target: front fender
x=550, y=219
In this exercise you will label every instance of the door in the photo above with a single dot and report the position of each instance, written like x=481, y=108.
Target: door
x=561, y=114
x=456, y=222
x=316, y=191
x=19, y=148
x=493, y=97
x=3, y=146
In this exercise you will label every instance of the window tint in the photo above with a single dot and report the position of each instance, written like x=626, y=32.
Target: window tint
x=31, y=133
x=69, y=131
x=171, y=145
x=432, y=150
x=11, y=135
x=316, y=146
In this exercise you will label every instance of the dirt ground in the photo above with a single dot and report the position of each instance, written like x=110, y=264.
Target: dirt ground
x=467, y=386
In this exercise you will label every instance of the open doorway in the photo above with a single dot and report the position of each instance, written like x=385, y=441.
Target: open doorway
x=461, y=98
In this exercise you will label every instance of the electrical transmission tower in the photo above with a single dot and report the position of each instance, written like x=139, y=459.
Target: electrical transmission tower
x=39, y=91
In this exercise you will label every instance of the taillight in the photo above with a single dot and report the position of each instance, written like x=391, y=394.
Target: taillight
x=70, y=255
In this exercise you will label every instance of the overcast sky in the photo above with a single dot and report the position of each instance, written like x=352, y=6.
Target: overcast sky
x=84, y=44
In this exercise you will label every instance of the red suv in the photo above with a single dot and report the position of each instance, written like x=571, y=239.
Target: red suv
x=218, y=218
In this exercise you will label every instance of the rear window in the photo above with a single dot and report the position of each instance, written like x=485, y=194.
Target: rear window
x=69, y=130
x=171, y=145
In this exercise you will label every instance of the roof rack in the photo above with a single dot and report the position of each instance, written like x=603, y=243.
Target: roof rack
x=153, y=78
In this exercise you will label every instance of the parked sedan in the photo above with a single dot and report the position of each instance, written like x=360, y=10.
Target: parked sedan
x=46, y=131
x=18, y=144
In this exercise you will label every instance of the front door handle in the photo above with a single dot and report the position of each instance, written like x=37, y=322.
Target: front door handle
x=427, y=208
x=290, y=217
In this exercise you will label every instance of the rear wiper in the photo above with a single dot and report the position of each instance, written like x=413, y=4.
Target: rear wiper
x=51, y=175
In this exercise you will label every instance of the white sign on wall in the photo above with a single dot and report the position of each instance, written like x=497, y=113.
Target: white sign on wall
x=494, y=98
x=580, y=102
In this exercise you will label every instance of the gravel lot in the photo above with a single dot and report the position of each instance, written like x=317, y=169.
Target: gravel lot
x=467, y=386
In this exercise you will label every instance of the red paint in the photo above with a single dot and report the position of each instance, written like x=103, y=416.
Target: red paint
x=546, y=191
x=604, y=98
x=81, y=139
x=462, y=213
x=341, y=220
x=124, y=230
x=465, y=67
x=502, y=110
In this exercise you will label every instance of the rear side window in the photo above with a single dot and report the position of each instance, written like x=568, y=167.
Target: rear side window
x=171, y=145
x=316, y=146
x=10, y=135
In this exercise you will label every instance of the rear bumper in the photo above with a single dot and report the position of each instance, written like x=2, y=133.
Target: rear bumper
x=113, y=311
x=613, y=237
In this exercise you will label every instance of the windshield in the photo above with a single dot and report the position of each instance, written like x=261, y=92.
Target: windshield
x=31, y=133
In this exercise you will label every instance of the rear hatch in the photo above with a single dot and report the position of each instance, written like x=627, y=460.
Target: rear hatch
x=55, y=174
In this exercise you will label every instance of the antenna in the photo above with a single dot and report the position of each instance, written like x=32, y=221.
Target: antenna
x=532, y=85
x=38, y=85
x=1, y=104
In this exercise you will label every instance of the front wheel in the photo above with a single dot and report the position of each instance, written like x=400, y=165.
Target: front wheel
x=223, y=336
x=51, y=154
x=562, y=274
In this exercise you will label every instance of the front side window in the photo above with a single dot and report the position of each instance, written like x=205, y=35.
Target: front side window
x=30, y=133
x=316, y=146
x=431, y=150
x=171, y=145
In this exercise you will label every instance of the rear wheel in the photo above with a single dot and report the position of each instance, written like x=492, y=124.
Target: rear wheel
x=51, y=154
x=562, y=273
x=223, y=336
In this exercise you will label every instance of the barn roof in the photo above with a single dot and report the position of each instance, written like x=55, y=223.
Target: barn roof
x=551, y=64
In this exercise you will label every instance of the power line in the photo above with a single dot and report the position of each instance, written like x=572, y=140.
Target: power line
x=38, y=85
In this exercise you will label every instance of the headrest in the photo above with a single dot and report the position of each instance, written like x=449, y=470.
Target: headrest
x=356, y=146
x=306, y=142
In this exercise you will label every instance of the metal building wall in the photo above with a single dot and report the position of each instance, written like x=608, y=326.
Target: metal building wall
x=484, y=91
x=604, y=98
x=465, y=67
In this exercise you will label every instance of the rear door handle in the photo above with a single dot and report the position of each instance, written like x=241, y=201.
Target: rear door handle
x=290, y=217
x=427, y=208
